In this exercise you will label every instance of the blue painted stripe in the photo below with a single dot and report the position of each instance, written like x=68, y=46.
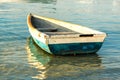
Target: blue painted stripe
x=42, y=45
x=76, y=48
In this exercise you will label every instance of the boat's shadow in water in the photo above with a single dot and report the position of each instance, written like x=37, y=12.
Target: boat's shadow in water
x=57, y=66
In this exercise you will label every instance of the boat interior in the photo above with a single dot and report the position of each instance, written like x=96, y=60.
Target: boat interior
x=50, y=28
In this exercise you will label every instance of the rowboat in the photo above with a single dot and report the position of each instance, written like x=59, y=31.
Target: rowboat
x=61, y=38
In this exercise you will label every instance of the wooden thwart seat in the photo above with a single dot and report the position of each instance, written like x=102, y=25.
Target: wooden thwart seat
x=61, y=33
x=47, y=29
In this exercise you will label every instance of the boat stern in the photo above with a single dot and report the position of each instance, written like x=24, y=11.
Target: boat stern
x=75, y=48
x=76, y=45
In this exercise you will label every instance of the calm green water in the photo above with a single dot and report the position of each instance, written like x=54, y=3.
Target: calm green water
x=22, y=59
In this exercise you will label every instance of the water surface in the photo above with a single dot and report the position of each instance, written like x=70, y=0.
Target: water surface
x=22, y=59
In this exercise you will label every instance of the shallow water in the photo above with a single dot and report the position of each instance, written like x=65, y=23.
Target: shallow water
x=22, y=59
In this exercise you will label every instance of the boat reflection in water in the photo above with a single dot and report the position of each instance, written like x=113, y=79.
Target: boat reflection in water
x=55, y=67
x=37, y=58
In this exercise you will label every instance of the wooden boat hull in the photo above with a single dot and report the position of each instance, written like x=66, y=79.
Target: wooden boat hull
x=66, y=44
x=70, y=48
